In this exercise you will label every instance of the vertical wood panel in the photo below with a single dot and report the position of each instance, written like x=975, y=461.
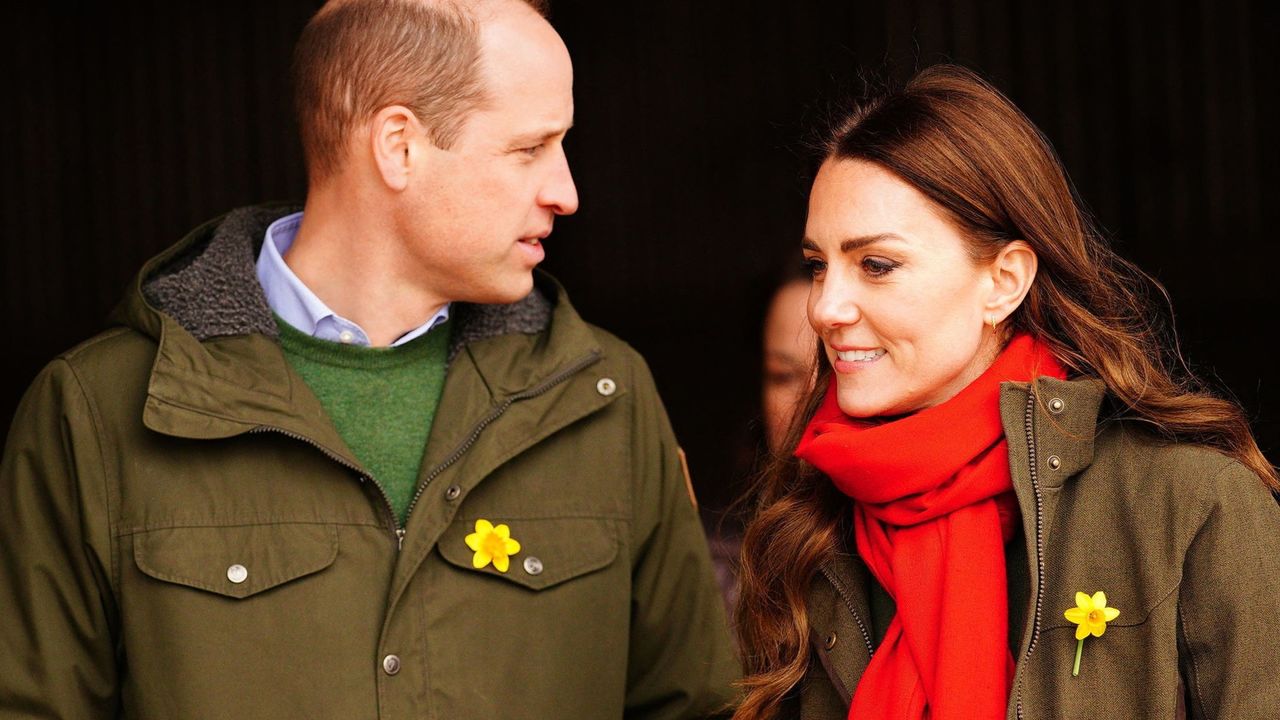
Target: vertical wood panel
x=135, y=121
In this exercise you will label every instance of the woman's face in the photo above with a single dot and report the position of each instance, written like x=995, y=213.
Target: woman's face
x=896, y=299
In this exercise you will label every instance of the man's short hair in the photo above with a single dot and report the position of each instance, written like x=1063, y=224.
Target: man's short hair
x=356, y=57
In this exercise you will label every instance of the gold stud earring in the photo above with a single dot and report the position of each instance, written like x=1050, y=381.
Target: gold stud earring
x=991, y=320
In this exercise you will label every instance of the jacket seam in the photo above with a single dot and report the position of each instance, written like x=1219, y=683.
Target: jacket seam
x=621, y=517
x=248, y=592
x=102, y=337
x=206, y=413
x=98, y=435
x=185, y=375
x=1183, y=624
x=633, y=486
x=1146, y=618
x=139, y=529
x=1192, y=665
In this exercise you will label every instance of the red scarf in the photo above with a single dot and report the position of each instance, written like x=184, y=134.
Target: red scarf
x=933, y=508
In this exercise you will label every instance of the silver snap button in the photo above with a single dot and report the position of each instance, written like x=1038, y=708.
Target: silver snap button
x=606, y=386
x=1056, y=405
x=1054, y=462
x=831, y=641
x=237, y=574
x=453, y=492
x=532, y=565
x=391, y=664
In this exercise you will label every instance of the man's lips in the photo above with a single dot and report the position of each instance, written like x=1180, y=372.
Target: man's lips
x=536, y=238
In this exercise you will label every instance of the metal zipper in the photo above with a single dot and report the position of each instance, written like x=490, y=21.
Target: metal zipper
x=1035, y=490
x=493, y=415
x=848, y=603
x=364, y=476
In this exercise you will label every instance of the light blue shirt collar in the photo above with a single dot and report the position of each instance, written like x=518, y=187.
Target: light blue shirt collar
x=294, y=302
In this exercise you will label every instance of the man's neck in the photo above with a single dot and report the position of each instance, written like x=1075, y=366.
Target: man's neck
x=349, y=257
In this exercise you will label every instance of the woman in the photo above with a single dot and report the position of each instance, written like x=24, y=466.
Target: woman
x=788, y=360
x=1010, y=498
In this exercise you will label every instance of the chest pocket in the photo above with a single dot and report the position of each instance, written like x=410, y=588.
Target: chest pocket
x=235, y=562
x=552, y=550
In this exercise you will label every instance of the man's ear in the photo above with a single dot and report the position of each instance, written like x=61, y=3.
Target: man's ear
x=1012, y=272
x=393, y=132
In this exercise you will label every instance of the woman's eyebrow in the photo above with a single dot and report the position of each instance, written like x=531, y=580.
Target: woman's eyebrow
x=852, y=244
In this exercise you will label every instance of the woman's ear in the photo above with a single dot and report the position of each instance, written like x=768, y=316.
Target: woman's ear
x=1012, y=271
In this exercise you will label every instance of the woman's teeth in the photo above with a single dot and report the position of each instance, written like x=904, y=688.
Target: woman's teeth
x=860, y=355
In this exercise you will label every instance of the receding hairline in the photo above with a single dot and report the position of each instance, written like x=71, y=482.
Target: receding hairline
x=341, y=78
x=475, y=10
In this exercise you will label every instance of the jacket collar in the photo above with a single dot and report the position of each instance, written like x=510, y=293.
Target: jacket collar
x=1061, y=416
x=219, y=370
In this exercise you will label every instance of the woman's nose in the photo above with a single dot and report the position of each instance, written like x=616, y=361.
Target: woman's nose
x=832, y=305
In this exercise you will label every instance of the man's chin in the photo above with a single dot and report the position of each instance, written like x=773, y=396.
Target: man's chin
x=510, y=292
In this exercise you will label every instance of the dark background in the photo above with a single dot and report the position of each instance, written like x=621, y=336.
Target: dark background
x=129, y=123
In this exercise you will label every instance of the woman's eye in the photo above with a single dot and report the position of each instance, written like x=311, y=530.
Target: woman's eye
x=876, y=267
x=813, y=267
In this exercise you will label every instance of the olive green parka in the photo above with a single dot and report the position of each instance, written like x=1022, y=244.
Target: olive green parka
x=1184, y=541
x=183, y=534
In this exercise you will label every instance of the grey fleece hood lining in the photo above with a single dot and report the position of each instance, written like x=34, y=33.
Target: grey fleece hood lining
x=212, y=290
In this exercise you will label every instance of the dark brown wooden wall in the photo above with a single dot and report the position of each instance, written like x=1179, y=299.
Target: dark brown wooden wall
x=128, y=123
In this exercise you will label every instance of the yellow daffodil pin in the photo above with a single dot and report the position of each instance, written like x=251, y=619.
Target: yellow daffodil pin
x=492, y=544
x=1091, y=616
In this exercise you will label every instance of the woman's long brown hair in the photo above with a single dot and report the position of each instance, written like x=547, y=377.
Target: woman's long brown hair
x=966, y=147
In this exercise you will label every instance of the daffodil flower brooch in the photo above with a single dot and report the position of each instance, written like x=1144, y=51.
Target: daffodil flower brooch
x=1091, y=616
x=492, y=544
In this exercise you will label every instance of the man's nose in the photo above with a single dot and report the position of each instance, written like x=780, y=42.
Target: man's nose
x=558, y=192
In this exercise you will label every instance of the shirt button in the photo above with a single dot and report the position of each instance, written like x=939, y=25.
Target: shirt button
x=532, y=565
x=346, y=336
x=391, y=664
x=606, y=386
x=453, y=492
x=237, y=574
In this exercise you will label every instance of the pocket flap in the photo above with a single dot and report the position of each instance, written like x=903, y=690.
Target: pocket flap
x=235, y=561
x=1135, y=600
x=552, y=550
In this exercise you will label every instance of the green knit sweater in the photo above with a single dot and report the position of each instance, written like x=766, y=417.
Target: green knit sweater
x=381, y=400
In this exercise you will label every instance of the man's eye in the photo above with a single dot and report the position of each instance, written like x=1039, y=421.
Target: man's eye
x=876, y=267
x=531, y=150
x=813, y=267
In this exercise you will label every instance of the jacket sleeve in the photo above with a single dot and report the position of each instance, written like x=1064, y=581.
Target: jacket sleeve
x=57, y=656
x=1227, y=608
x=681, y=663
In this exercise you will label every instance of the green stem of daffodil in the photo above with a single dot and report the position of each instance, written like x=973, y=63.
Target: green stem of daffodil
x=1075, y=671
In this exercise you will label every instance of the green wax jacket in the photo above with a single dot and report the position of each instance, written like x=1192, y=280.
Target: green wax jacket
x=1184, y=541
x=183, y=534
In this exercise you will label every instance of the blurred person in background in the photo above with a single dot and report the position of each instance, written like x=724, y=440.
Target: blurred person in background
x=788, y=348
x=789, y=353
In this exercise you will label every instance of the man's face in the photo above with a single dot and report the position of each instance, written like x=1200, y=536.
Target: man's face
x=476, y=216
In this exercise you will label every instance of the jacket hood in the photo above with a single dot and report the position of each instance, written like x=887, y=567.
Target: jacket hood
x=207, y=284
x=219, y=369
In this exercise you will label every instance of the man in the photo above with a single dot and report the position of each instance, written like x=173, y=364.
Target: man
x=364, y=461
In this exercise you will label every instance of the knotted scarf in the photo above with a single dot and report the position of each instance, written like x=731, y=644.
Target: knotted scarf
x=933, y=509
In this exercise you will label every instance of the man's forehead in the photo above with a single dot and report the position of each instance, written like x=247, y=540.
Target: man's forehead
x=525, y=64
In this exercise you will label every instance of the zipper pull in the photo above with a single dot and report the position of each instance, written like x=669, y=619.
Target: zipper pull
x=399, y=539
